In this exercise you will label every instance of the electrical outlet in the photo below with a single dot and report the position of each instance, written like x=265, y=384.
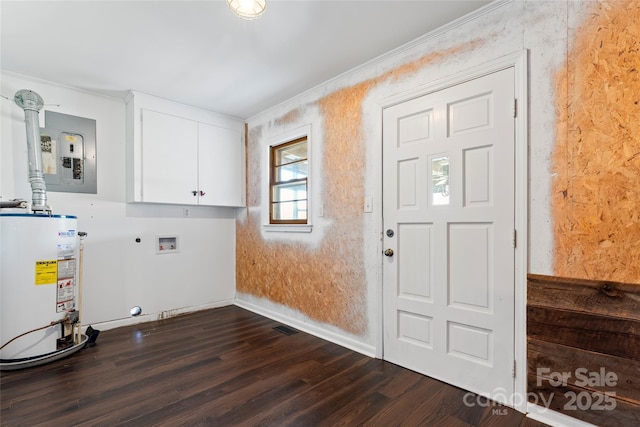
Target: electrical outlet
x=186, y=212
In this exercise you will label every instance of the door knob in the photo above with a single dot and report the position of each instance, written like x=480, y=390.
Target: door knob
x=388, y=252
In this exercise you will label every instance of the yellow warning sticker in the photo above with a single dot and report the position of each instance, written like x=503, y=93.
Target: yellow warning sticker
x=46, y=272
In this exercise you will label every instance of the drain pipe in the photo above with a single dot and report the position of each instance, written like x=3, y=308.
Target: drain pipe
x=31, y=103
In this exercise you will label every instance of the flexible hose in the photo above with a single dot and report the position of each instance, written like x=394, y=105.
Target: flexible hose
x=34, y=330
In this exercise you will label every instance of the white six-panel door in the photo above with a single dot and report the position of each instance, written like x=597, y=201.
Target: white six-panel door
x=448, y=208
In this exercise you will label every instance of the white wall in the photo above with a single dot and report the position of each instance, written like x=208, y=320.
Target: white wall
x=118, y=272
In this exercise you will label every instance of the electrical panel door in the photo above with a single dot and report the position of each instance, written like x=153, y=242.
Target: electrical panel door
x=69, y=153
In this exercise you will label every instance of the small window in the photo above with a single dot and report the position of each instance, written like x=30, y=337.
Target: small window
x=288, y=184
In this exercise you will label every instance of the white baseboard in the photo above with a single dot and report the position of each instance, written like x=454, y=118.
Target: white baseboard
x=553, y=418
x=143, y=318
x=341, y=340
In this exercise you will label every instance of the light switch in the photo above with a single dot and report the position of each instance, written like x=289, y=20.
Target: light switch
x=368, y=204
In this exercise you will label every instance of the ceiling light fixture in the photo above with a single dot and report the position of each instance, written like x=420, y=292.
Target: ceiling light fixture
x=248, y=9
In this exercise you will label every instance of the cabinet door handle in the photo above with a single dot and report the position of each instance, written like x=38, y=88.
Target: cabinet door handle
x=202, y=193
x=194, y=192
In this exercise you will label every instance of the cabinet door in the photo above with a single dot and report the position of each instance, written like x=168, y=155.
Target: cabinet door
x=169, y=158
x=221, y=167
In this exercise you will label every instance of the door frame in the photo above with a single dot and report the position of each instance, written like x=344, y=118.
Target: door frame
x=519, y=62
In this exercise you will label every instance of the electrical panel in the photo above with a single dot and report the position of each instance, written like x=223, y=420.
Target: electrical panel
x=69, y=153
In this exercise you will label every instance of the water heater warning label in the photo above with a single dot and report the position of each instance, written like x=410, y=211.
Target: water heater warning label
x=66, y=268
x=46, y=272
x=65, y=300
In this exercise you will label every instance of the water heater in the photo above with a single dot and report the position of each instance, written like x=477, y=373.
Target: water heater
x=38, y=278
x=40, y=267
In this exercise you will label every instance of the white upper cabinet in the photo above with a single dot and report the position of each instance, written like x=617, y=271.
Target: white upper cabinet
x=219, y=159
x=169, y=158
x=178, y=154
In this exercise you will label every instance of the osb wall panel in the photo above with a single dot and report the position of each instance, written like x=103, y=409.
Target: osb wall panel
x=327, y=283
x=596, y=190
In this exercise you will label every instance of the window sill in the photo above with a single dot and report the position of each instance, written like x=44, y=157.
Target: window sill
x=288, y=228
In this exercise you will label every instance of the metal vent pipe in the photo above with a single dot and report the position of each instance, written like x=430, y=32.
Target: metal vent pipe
x=31, y=103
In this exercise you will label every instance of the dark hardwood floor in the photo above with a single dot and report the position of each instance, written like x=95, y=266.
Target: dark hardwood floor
x=227, y=367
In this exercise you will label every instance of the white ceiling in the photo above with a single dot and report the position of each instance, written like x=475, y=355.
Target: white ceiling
x=199, y=53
